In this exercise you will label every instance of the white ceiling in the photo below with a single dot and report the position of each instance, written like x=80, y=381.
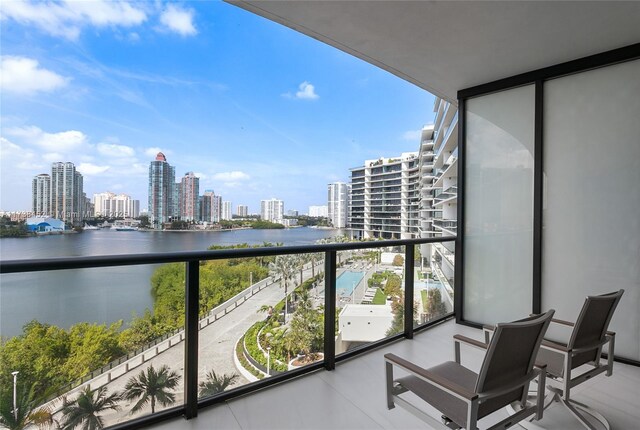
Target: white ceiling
x=451, y=45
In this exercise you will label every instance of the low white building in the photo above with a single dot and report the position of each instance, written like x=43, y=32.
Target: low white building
x=361, y=324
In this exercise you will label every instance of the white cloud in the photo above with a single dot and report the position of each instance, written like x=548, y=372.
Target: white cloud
x=412, y=135
x=114, y=150
x=202, y=176
x=64, y=141
x=67, y=18
x=178, y=20
x=153, y=151
x=89, y=169
x=23, y=75
x=52, y=157
x=230, y=177
x=306, y=91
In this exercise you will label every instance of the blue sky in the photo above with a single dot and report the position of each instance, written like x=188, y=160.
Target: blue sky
x=254, y=108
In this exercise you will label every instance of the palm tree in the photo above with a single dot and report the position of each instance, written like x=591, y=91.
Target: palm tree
x=283, y=269
x=152, y=386
x=27, y=413
x=314, y=258
x=215, y=384
x=85, y=410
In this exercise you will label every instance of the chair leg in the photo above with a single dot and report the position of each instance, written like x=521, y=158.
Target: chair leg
x=578, y=410
x=389, y=383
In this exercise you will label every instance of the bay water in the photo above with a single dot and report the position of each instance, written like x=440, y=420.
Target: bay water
x=106, y=295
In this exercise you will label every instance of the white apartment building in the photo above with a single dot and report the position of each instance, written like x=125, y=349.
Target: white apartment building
x=384, y=198
x=242, y=211
x=67, y=199
x=444, y=190
x=272, y=210
x=227, y=210
x=210, y=207
x=41, y=194
x=318, y=211
x=338, y=203
x=113, y=205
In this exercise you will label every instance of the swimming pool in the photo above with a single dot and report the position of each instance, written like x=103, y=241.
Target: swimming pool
x=347, y=281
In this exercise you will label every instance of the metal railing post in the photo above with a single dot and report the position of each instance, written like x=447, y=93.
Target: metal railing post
x=330, y=310
x=409, y=257
x=192, y=294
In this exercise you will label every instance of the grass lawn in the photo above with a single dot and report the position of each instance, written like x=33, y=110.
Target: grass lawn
x=379, y=298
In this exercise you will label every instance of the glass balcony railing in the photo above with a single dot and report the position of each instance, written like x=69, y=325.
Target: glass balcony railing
x=223, y=323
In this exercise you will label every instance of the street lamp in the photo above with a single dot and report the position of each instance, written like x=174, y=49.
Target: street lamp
x=15, y=394
x=268, y=361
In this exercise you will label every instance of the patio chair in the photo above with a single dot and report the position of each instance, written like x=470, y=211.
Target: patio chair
x=584, y=349
x=464, y=397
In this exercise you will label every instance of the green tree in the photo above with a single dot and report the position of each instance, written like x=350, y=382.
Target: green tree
x=38, y=354
x=397, y=308
x=152, y=386
x=306, y=330
x=214, y=384
x=144, y=221
x=393, y=286
x=91, y=347
x=283, y=270
x=28, y=413
x=85, y=410
x=398, y=260
x=435, y=305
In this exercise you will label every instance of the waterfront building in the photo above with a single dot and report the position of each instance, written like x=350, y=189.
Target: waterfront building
x=318, y=211
x=162, y=191
x=292, y=212
x=41, y=194
x=272, y=210
x=67, y=200
x=189, y=192
x=227, y=210
x=338, y=204
x=210, y=207
x=242, y=211
x=44, y=224
x=384, y=198
x=111, y=205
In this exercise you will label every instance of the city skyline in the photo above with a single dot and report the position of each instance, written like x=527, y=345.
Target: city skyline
x=96, y=92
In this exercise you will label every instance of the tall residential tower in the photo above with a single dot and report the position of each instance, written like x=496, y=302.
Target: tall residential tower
x=161, y=191
x=67, y=198
x=338, y=203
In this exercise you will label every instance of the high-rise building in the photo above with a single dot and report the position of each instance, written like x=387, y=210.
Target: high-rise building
x=210, y=207
x=242, y=211
x=41, y=193
x=384, y=198
x=161, y=191
x=444, y=190
x=318, y=211
x=227, y=211
x=189, y=192
x=111, y=205
x=292, y=212
x=272, y=210
x=338, y=204
x=67, y=200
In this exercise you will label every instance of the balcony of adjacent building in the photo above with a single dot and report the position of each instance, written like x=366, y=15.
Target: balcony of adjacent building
x=447, y=196
x=446, y=226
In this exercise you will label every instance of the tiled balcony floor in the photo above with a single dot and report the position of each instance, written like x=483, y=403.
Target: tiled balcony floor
x=352, y=396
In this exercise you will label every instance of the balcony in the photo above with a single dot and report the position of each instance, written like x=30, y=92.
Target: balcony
x=209, y=338
x=447, y=225
x=354, y=394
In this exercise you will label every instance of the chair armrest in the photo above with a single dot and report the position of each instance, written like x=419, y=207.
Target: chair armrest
x=552, y=345
x=562, y=322
x=430, y=377
x=538, y=370
x=470, y=342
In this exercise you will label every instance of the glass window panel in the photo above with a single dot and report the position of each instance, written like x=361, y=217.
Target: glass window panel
x=591, y=234
x=499, y=206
